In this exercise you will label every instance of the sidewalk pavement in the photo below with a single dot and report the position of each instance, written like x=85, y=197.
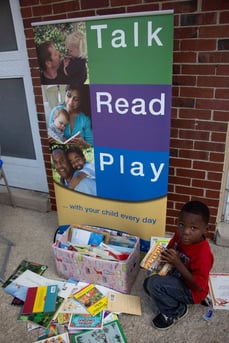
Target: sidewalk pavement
x=32, y=233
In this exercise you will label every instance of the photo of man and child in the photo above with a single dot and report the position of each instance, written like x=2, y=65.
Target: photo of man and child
x=62, y=58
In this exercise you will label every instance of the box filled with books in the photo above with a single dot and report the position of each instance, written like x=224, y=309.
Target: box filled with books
x=98, y=255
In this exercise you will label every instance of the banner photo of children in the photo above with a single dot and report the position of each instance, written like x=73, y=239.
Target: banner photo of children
x=106, y=84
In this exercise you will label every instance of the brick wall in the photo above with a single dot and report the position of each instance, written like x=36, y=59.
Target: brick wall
x=200, y=89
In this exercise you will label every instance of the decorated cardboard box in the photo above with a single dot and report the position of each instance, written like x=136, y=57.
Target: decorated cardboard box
x=116, y=274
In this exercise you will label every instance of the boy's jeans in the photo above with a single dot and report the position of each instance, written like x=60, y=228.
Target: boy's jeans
x=169, y=293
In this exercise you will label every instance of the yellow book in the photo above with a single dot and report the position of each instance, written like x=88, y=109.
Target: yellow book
x=92, y=299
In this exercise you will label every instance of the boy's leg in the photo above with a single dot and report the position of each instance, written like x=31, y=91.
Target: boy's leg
x=169, y=293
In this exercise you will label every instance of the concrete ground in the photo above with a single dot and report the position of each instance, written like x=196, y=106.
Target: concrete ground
x=32, y=232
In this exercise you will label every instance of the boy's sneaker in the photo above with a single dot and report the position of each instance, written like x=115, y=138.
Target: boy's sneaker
x=184, y=314
x=207, y=301
x=162, y=322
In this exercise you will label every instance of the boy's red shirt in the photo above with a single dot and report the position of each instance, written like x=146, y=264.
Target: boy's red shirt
x=199, y=260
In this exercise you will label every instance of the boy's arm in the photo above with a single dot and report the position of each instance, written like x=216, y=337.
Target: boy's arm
x=76, y=180
x=171, y=256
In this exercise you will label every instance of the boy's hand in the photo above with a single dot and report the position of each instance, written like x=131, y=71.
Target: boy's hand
x=170, y=256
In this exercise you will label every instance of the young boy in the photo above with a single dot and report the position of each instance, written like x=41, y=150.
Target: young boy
x=191, y=258
x=56, y=129
x=83, y=179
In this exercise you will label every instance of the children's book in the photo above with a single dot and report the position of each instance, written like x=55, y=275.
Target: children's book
x=40, y=299
x=80, y=322
x=19, y=286
x=161, y=240
x=62, y=338
x=67, y=140
x=111, y=332
x=42, y=318
x=92, y=299
x=124, y=303
x=219, y=290
x=21, y=268
x=151, y=261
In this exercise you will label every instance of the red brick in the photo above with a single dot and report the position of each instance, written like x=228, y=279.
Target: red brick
x=216, y=157
x=194, y=154
x=39, y=11
x=214, y=176
x=180, y=181
x=212, y=104
x=213, y=57
x=181, y=163
x=89, y=4
x=214, y=31
x=206, y=184
x=224, y=17
x=185, y=32
x=198, y=44
x=209, y=146
x=183, y=102
x=65, y=7
x=184, y=57
x=184, y=80
x=189, y=190
x=208, y=166
x=180, y=6
x=196, y=92
x=194, y=113
x=222, y=93
x=218, y=137
x=198, y=69
x=142, y=8
x=221, y=116
x=195, y=174
x=213, y=81
x=214, y=5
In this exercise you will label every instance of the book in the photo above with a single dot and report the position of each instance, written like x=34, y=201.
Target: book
x=111, y=332
x=92, y=299
x=80, y=322
x=67, y=140
x=124, y=303
x=21, y=268
x=85, y=234
x=27, y=279
x=161, y=240
x=151, y=261
x=40, y=299
x=62, y=338
x=42, y=318
x=219, y=290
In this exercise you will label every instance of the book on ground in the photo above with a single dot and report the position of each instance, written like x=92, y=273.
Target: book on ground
x=40, y=299
x=219, y=290
x=42, y=318
x=62, y=338
x=92, y=299
x=124, y=303
x=111, y=332
x=80, y=322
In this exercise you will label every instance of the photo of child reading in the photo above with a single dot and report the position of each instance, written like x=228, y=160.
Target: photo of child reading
x=60, y=121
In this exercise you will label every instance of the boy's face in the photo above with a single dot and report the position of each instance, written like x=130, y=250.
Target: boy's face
x=191, y=228
x=60, y=122
x=76, y=160
x=73, y=51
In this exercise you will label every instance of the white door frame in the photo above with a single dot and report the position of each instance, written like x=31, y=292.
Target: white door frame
x=23, y=173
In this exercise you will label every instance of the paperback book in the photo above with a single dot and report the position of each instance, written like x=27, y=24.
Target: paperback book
x=111, y=332
x=152, y=262
x=80, y=322
x=42, y=318
x=40, y=299
x=92, y=299
x=62, y=338
x=219, y=290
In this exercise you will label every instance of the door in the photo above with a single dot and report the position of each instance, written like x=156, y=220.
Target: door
x=19, y=132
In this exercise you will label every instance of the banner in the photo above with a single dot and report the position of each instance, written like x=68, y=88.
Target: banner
x=106, y=85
